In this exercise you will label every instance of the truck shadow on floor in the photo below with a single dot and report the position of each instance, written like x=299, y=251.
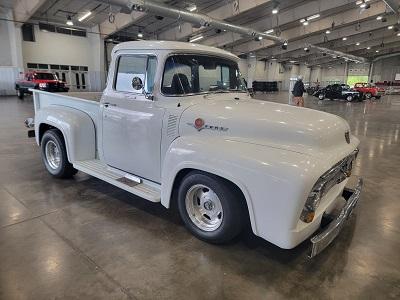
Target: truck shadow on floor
x=333, y=258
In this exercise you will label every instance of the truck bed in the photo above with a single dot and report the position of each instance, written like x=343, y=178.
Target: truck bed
x=87, y=102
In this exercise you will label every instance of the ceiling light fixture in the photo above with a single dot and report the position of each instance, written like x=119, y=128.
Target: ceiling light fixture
x=328, y=32
x=269, y=31
x=313, y=17
x=85, y=16
x=195, y=39
x=275, y=10
x=368, y=47
x=344, y=39
x=192, y=7
x=69, y=21
x=398, y=34
x=390, y=27
x=358, y=44
x=377, y=51
x=140, y=34
x=302, y=20
x=379, y=18
x=306, y=23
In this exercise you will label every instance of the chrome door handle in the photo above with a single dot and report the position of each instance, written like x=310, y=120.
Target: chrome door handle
x=107, y=104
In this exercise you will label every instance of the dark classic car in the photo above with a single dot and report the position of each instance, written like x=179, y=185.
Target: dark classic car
x=338, y=91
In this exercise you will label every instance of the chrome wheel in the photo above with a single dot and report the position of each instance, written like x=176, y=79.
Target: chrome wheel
x=321, y=97
x=349, y=98
x=204, y=207
x=53, y=155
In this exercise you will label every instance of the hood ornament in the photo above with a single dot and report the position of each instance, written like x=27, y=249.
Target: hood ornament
x=200, y=124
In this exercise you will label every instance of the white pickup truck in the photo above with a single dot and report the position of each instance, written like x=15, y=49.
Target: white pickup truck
x=176, y=125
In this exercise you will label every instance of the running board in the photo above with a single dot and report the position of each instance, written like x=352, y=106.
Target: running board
x=132, y=184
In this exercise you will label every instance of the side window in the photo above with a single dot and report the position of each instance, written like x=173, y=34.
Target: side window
x=151, y=73
x=131, y=69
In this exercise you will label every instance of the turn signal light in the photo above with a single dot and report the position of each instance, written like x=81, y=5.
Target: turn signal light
x=308, y=217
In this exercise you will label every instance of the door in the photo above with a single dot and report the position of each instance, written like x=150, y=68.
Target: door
x=132, y=124
x=337, y=91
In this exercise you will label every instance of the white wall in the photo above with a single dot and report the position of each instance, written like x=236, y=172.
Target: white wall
x=56, y=48
x=336, y=73
x=386, y=69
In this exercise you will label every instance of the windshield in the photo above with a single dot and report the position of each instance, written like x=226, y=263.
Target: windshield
x=194, y=74
x=45, y=76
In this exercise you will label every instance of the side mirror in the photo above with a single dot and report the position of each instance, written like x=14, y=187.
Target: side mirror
x=137, y=83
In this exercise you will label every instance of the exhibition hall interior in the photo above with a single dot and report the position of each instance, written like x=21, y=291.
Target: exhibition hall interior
x=199, y=149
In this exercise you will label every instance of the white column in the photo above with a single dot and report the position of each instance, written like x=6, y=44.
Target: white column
x=15, y=37
x=96, y=73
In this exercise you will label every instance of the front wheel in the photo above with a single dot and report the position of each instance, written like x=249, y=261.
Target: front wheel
x=321, y=96
x=368, y=96
x=20, y=94
x=210, y=208
x=54, y=155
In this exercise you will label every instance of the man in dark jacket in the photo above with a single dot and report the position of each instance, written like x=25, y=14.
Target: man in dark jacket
x=298, y=91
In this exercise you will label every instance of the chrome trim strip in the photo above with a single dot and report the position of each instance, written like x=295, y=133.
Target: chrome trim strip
x=322, y=240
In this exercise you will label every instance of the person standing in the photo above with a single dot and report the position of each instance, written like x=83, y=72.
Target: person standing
x=298, y=91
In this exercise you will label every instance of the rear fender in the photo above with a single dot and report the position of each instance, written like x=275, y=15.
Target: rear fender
x=76, y=126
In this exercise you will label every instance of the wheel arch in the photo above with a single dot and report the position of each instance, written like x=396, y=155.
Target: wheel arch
x=76, y=127
x=169, y=191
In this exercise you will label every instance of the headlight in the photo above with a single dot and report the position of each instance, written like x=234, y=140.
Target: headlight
x=42, y=85
x=313, y=201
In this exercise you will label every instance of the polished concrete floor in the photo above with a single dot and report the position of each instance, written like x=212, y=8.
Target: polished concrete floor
x=84, y=239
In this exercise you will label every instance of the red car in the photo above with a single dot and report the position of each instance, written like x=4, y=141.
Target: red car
x=44, y=81
x=369, y=90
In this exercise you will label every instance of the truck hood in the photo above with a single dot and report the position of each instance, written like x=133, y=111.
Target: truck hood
x=264, y=123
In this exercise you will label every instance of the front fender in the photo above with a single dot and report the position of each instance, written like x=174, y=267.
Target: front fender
x=274, y=182
x=76, y=126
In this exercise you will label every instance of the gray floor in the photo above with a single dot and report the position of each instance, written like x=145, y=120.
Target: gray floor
x=85, y=239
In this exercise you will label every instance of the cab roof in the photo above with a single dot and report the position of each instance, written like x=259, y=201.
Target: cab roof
x=173, y=46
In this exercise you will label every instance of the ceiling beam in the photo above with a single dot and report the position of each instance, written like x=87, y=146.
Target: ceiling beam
x=344, y=26
x=284, y=19
x=23, y=10
x=228, y=10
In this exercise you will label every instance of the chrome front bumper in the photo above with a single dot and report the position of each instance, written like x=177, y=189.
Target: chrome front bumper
x=320, y=241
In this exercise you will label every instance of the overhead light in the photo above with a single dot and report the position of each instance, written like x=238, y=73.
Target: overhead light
x=85, y=16
x=306, y=49
x=192, y=7
x=305, y=23
x=69, y=21
x=302, y=20
x=368, y=47
x=377, y=51
x=292, y=61
x=390, y=27
x=398, y=34
x=344, y=39
x=259, y=38
x=358, y=44
x=379, y=18
x=275, y=10
x=140, y=34
x=195, y=39
x=313, y=17
x=328, y=32
x=269, y=31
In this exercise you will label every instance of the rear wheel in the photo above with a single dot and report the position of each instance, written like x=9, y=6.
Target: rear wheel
x=54, y=155
x=368, y=96
x=210, y=208
x=349, y=98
